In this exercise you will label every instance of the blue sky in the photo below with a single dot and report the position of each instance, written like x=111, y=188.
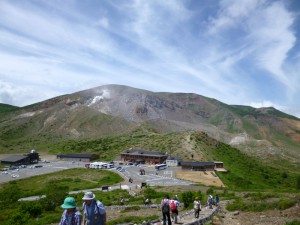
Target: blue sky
x=242, y=52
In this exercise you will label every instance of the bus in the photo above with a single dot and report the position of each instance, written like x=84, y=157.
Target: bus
x=161, y=166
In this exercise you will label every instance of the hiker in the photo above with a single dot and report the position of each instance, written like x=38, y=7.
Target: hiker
x=210, y=201
x=174, y=203
x=122, y=200
x=165, y=208
x=93, y=210
x=147, y=201
x=70, y=216
x=217, y=199
x=197, y=207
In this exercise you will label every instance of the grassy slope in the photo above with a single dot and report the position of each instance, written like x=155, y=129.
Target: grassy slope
x=246, y=172
x=75, y=179
x=7, y=108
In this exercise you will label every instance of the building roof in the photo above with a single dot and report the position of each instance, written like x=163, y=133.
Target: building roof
x=197, y=164
x=143, y=152
x=14, y=158
x=79, y=155
x=175, y=158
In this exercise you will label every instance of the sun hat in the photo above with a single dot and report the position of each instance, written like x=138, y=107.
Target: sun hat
x=88, y=196
x=196, y=198
x=69, y=203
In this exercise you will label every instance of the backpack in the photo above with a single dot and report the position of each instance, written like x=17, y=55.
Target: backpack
x=173, y=206
x=197, y=206
x=165, y=208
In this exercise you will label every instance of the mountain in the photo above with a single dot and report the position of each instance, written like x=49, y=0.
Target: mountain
x=116, y=110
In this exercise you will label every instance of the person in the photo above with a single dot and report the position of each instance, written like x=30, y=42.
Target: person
x=93, y=210
x=122, y=200
x=70, y=216
x=197, y=207
x=174, y=203
x=210, y=201
x=165, y=208
x=147, y=201
x=217, y=199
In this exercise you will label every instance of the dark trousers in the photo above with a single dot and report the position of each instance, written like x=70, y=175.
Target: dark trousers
x=165, y=217
x=196, y=213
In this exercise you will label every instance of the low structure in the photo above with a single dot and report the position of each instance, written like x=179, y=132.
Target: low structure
x=32, y=157
x=198, y=166
x=173, y=161
x=78, y=157
x=219, y=166
x=143, y=156
x=16, y=160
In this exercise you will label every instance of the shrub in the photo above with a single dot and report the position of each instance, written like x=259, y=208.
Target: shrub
x=131, y=208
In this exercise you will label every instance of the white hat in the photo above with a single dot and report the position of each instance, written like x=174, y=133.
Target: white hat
x=88, y=196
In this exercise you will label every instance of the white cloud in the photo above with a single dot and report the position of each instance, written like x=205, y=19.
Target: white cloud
x=229, y=54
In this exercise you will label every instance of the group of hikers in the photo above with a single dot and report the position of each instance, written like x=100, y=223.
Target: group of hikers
x=93, y=210
x=95, y=214
x=170, y=207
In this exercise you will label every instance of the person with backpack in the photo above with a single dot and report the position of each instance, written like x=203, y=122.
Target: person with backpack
x=174, y=203
x=210, y=201
x=217, y=199
x=93, y=210
x=197, y=207
x=165, y=208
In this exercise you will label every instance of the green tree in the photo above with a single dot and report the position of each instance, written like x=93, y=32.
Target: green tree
x=210, y=191
x=187, y=198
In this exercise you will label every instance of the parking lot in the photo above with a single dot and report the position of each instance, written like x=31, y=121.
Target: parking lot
x=38, y=169
x=152, y=177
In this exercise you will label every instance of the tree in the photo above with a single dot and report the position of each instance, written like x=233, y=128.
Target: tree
x=187, y=198
x=55, y=195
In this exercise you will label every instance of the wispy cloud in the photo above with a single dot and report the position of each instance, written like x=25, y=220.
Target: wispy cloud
x=234, y=51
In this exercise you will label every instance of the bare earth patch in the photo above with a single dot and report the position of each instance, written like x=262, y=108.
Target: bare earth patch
x=205, y=178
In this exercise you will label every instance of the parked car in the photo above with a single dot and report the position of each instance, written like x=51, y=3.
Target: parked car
x=119, y=168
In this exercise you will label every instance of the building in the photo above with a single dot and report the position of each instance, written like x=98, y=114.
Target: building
x=78, y=157
x=204, y=166
x=173, y=161
x=198, y=166
x=143, y=156
x=32, y=157
x=16, y=160
x=219, y=166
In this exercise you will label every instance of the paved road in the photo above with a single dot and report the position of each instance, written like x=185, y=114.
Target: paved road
x=29, y=171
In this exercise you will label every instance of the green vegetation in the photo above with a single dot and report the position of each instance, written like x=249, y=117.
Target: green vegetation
x=260, y=206
x=7, y=108
x=74, y=179
x=246, y=172
x=132, y=219
x=293, y=223
x=250, y=111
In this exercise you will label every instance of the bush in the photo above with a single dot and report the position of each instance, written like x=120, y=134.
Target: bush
x=293, y=223
x=131, y=208
x=285, y=204
x=187, y=198
x=34, y=209
x=132, y=220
